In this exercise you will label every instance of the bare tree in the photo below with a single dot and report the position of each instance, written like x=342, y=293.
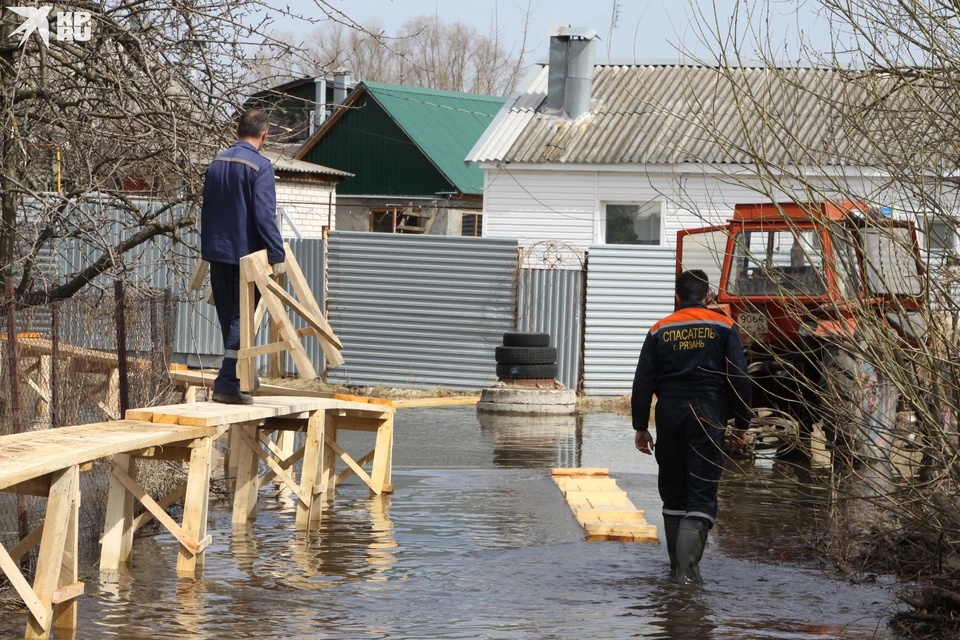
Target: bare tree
x=107, y=126
x=424, y=52
x=870, y=127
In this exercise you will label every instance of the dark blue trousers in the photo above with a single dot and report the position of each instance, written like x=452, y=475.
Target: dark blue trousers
x=225, y=281
x=689, y=452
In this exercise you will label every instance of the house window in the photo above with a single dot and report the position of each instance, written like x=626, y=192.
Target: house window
x=632, y=223
x=941, y=237
x=471, y=224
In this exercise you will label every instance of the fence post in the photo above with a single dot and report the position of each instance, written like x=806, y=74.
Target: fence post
x=156, y=347
x=13, y=353
x=121, y=348
x=54, y=364
x=169, y=331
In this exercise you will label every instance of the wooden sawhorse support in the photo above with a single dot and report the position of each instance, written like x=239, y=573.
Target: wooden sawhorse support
x=379, y=478
x=120, y=525
x=318, y=476
x=52, y=600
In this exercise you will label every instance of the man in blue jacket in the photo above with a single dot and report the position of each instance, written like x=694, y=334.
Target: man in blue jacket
x=238, y=218
x=693, y=360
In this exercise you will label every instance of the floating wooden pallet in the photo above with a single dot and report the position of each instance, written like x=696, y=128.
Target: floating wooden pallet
x=601, y=507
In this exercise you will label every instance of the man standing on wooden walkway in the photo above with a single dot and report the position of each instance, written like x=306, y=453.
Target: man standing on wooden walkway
x=238, y=218
x=693, y=360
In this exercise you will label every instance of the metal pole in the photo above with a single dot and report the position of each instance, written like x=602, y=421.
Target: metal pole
x=14, y=356
x=23, y=522
x=54, y=363
x=121, y=348
x=170, y=320
x=156, y=346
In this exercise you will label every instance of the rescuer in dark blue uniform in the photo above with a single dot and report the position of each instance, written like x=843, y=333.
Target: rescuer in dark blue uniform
x=693, y=361
x=238, y=218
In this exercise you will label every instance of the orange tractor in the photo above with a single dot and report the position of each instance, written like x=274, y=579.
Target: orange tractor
x=799, y=279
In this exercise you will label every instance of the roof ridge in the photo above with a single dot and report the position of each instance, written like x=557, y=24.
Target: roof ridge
x=463, y=95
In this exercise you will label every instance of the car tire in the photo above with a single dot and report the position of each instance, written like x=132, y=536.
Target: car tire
x=527, y=371
x=526, y=355
x=526, y=339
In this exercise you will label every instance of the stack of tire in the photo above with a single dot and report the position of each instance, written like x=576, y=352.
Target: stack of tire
x=526, y=356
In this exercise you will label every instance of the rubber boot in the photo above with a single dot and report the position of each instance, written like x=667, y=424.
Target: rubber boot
x=691, y=539
x=671, y=525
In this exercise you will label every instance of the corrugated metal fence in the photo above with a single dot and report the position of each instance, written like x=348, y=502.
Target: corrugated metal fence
x=429, y=311
x=628, y=290
x=416, y=311
x=551, y=301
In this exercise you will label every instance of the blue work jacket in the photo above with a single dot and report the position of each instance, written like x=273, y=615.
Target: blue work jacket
x=694, y=353
x=239, y=210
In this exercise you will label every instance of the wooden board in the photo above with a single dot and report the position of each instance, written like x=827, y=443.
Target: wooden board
x=35, y=453
x=213, y=414
x=603, y=509
x=195, y=378
x=84, y=359
x=198, y=379
x=437, y=402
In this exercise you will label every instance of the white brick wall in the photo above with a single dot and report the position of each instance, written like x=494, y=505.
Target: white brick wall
x=309, y=206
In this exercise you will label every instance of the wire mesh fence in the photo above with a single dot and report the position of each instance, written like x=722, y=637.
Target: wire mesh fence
x=80, y=361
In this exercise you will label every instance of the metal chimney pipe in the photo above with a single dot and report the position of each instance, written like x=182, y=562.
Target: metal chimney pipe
x=341, y=83
x=320, y=104
x=579, y=78
x=557, y=72
x=570, y=74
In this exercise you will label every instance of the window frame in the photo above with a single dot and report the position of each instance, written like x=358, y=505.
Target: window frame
x=602, y=227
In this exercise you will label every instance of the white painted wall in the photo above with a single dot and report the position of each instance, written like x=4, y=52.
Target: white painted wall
x=537, y=203
x=309, y=205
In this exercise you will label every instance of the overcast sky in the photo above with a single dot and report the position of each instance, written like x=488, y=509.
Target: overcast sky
x=646, y=29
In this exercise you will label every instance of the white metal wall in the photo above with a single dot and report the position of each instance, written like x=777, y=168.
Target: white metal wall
x=415, y=311
x=629, y=288
x=534, y=203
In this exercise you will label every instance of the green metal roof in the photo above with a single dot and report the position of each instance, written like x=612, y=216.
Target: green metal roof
x=443, y=124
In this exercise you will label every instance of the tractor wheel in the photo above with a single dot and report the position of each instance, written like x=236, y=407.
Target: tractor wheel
x=773, y=430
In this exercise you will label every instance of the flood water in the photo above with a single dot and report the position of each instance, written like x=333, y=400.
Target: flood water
x=478, y=542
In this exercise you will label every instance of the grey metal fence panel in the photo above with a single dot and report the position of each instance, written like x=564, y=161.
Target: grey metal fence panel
x=309, y=255
x=551, y=301
x=416, y=311
x=628, y=290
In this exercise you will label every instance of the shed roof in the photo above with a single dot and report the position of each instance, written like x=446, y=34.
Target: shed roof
x=282, y=163
x=669, y=114
x=444, y=125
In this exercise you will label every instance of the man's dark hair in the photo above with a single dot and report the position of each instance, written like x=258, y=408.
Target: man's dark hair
x=252, y=123
x=693, y=285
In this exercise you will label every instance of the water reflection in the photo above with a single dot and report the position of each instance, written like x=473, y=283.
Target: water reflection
x=355, y=541
x=679, y=612
x=467, y=548
x=534, y=441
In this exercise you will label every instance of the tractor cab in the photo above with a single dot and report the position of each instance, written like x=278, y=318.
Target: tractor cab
x=785, y=272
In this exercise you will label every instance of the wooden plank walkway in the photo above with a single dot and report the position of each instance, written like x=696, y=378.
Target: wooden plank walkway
x=190, y=381
x=601, y=507
x=48, y=463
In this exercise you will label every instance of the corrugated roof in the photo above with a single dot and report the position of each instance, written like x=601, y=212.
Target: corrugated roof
x=663, y=114
x=444, y=124
x=282, y=163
